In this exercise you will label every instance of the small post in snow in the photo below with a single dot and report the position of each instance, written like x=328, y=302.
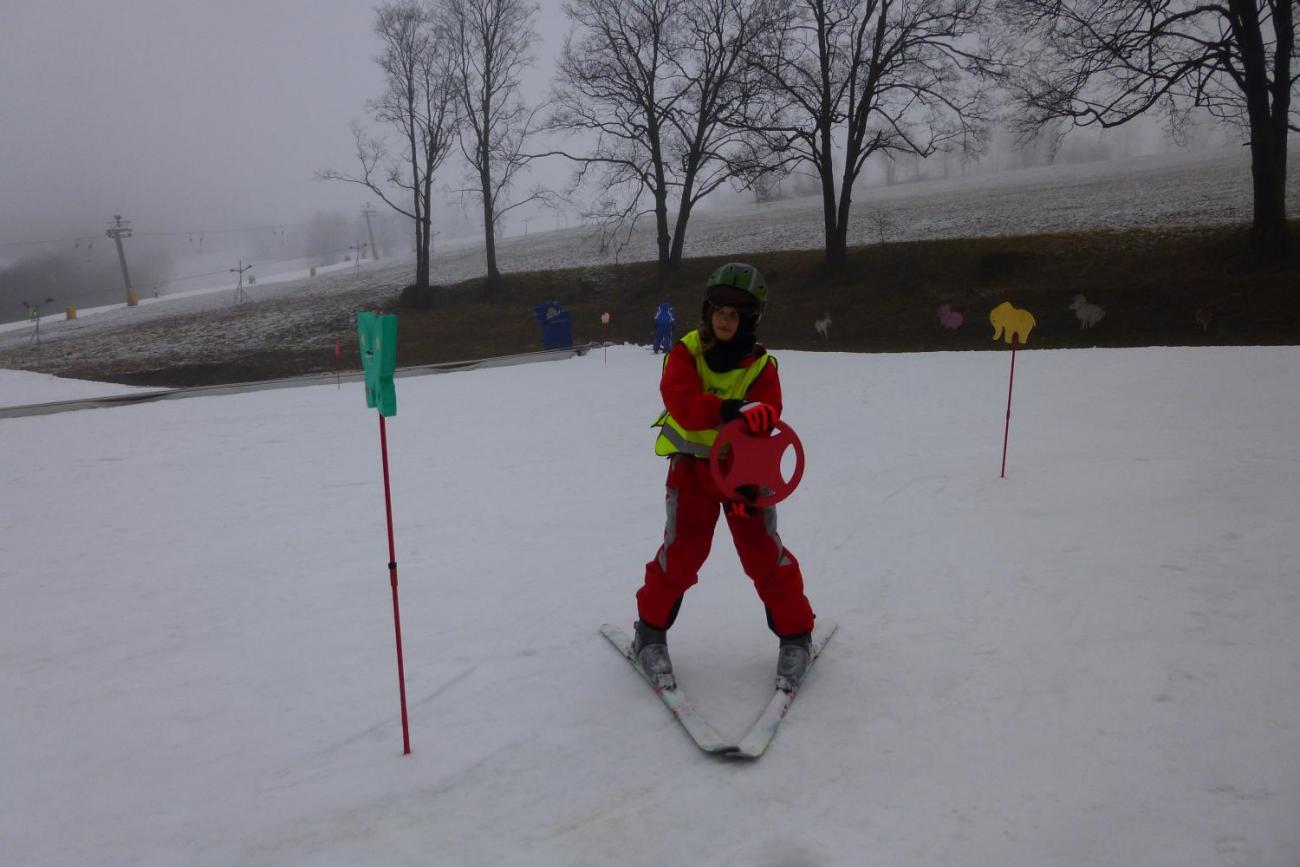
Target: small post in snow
x=377, y=336
x=1006, y=431
x=604, y=320
x=1012, y=325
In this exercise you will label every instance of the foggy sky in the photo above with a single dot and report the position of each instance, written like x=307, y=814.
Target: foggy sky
x=206, y=115
x=187, y=114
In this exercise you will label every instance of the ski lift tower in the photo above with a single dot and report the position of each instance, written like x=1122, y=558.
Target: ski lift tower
x=240, y=294
x=369, y=212
x=34, y=314
x=117, y=230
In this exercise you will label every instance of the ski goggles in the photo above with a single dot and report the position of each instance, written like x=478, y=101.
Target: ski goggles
x=729, y=296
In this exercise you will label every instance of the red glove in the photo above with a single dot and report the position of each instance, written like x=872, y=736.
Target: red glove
x=760, y=417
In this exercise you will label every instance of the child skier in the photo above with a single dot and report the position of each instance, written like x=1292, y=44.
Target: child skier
x=714, y=375
x=664, y=320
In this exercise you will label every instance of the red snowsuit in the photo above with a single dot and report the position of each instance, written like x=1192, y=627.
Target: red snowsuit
x=693, y=503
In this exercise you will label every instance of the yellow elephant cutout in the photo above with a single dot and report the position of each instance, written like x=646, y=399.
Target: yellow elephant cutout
x=1010, y=322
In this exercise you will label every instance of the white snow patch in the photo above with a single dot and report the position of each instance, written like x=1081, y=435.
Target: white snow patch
x=1092, y=661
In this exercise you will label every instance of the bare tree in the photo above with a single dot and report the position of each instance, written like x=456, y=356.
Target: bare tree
x=613, y=78
x=420, y=102
x=491, y=41
x=1106, y=62
x=711, y=144
x=848, y=78
x=662, y=85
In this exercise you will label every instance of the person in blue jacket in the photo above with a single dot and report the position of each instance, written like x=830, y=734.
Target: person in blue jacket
x=664, y=320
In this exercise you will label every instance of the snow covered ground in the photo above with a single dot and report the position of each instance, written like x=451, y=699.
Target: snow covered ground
x=1092, y=661
x=20, y=387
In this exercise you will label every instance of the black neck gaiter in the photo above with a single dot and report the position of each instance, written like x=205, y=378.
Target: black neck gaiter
x=722, y=357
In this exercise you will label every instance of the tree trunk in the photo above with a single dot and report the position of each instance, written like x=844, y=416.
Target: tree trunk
x=1269, y=233
x=661, y=200
x=834, y=228
x=423, y=232
x=837, y=247
x=679, y=236
x=684, y=206
x=423, y=228
x=489, y=233
x=837, y=250
x=1268, y=130
x=834, y=257
x=661, y=227
x=826, y=170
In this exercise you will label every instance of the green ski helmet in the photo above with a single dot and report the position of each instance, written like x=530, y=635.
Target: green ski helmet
x=736, y=284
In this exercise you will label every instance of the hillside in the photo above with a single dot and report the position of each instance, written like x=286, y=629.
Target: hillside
x=1156, y=244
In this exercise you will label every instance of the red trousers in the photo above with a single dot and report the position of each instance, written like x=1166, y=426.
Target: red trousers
x=693, y=503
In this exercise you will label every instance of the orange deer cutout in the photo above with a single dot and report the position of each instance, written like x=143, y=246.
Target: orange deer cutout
x=1011, y=323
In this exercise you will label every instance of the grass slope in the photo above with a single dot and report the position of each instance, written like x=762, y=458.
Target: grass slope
x=1157, y=287
x=1151, y=285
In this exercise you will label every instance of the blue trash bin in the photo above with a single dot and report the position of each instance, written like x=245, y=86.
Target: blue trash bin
x=557, y=325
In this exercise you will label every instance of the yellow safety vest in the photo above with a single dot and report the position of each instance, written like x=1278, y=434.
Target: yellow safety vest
x=732, y=385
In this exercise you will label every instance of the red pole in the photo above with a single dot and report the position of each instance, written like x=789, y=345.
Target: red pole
x=392, y=573
x=1015, y=341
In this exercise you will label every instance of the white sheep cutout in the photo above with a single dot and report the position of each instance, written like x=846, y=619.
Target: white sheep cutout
x=823, y=327
x=1088, y=314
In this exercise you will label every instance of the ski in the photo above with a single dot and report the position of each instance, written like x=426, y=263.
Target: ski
x=760, y=734
x=704, y=735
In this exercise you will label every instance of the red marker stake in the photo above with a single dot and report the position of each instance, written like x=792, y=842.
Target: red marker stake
x=392, y=573
x=1015, y=341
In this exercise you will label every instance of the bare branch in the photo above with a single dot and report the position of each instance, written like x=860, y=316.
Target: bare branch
x=844, y=79
x=1107, y=62
x=489, y=46
x=656, y=81
x=418, y=104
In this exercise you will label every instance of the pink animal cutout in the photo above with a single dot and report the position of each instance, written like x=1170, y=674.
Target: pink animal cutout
x=950, y=318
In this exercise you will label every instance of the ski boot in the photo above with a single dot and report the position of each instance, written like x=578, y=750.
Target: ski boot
x=650, y=647
x=792, y=662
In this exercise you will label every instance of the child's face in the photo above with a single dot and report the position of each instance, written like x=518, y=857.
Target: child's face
x=725, y=322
